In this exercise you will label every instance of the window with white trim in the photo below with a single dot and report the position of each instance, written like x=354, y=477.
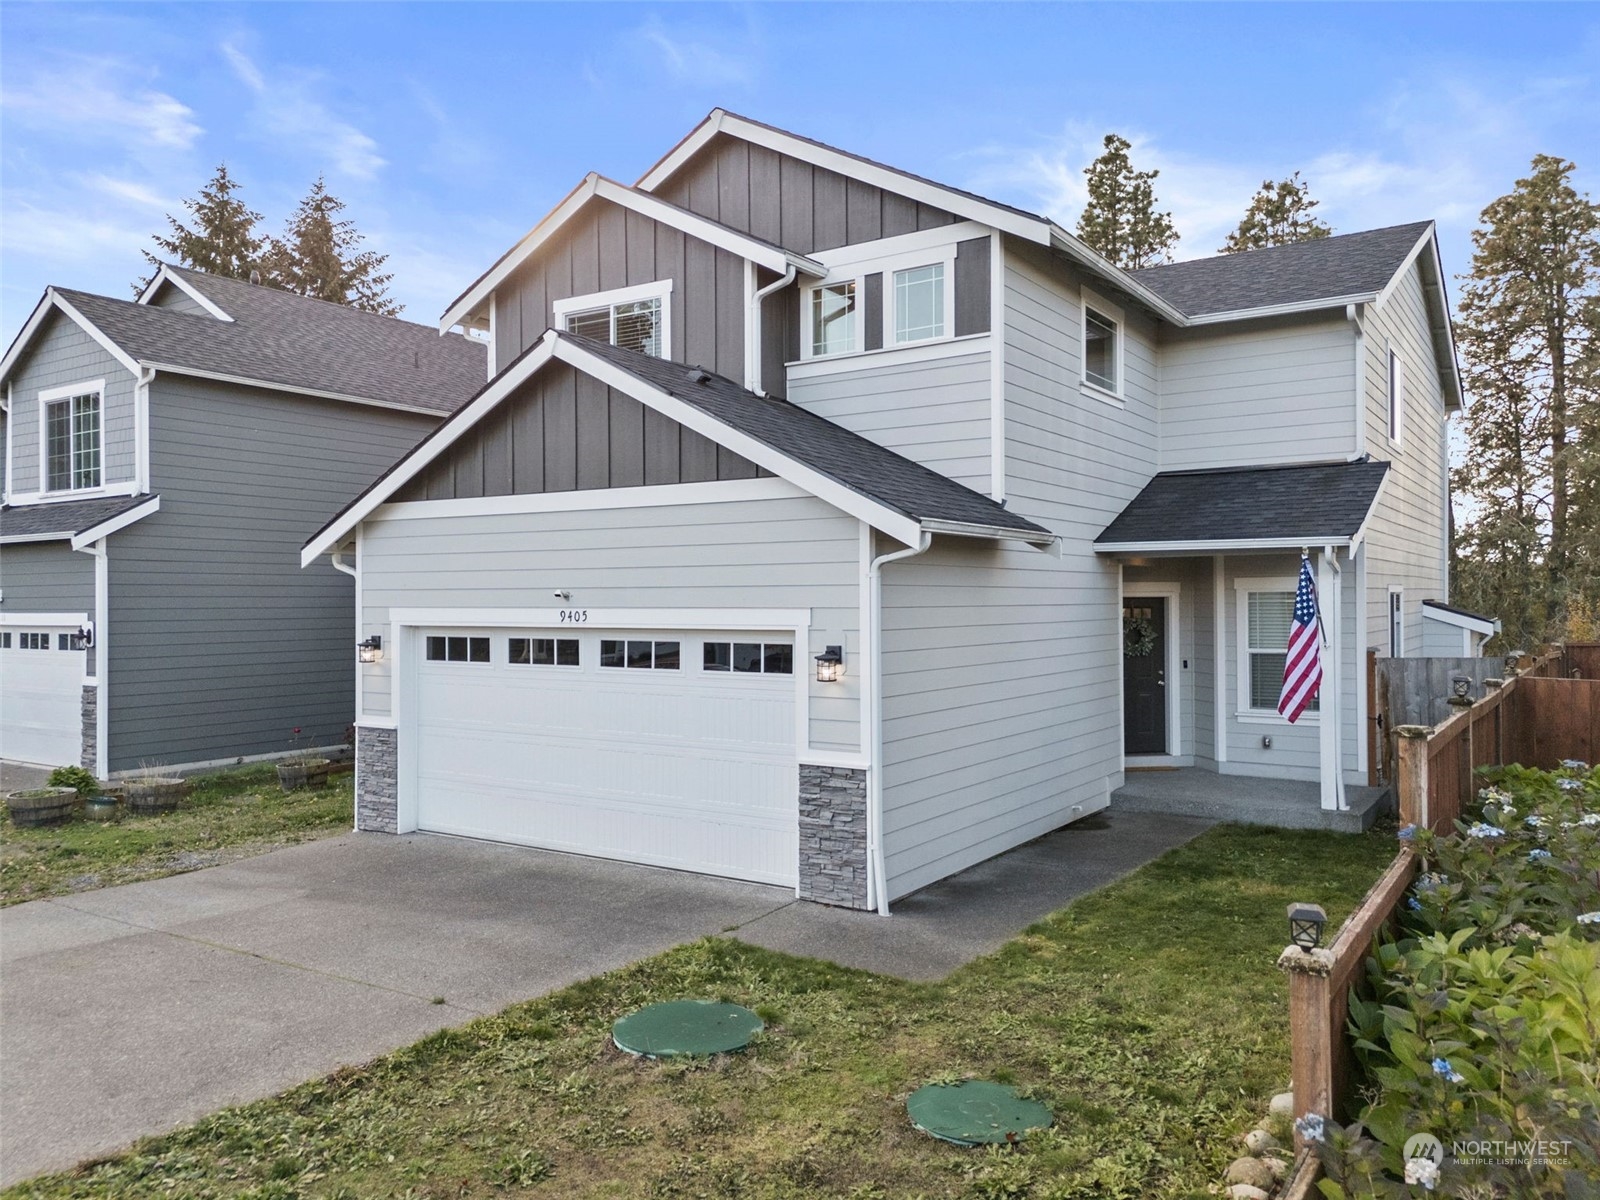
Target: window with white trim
x=1397, y=622
x=458, y=649
x=919, y=303
x=639, y=653
x=1269, y=615
x=542, y=652
x=5, y=641
x=834, y=319
x=749, y=658
x=72, y=442
x=908, y=298
x=1397, y=397
x=1102, y=349
x=635, y=318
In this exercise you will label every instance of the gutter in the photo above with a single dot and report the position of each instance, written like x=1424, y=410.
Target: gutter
x=877, y=876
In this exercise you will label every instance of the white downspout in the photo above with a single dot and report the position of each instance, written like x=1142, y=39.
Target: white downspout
x=752, y=346
x=141, y=428
x=877, y=876
x=1330, y=587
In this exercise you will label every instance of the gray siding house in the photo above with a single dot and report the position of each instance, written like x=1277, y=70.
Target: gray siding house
x=164, y=460
x=823, y=525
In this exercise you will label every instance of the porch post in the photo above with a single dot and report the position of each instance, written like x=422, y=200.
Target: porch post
x=1332, y=772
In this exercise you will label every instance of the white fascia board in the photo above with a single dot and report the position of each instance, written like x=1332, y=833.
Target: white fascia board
x=994, y=532
x=1282, y=310
x=53, y=299
x=19, y=538
x=847, y=500
x=188, y=289
x=106, y=528
x=273, y=386
x=1099, y=265
x=1033, y=229
x=407, y=469
x=656, y=495
x=1221, y=546
x=606, y=618
x=593, y=185
x=1481, y=625
x=43, y=618
x=1409, y=261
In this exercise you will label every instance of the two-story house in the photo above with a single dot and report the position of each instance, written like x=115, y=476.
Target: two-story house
x=823, y=525
x=164, y=460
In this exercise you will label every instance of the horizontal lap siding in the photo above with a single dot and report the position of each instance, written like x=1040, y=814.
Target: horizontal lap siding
x=936, y=413
x=63, y=355
x=178, y=300
x=1277, y=393
x=220, y=643
x=1406, y=540
x=46, y=577
x=789, y=553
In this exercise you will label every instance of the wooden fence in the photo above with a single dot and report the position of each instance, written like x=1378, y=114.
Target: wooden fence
x=1537, y=717
x=1581, y=660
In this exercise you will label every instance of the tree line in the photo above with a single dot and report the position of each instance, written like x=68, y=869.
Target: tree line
x=319, y=253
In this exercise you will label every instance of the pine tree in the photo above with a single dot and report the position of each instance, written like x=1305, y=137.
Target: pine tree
x=321, y=256
x=1527, y=325
x=1120, y=220
x=223, y=240
x=1279, y=213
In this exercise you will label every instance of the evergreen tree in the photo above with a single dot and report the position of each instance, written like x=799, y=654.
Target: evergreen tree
x=1279, y=213
x=1120, y=220
x=1527, y=326
x=321, y=256
x=223, y=240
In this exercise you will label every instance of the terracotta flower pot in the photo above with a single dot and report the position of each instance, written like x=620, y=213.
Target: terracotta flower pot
x=41, y=806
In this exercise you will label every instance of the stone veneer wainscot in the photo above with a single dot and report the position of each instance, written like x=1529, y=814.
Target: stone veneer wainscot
x=377, y=793
x=833, y=835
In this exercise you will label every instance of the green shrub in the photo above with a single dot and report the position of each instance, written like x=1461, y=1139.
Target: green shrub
x=1484, y=1021
x=77, y=778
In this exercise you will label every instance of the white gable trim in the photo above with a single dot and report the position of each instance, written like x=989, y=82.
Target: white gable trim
x=1482, y=625
x=106, y=528
x=53, y=299
x=272, y=386
x=188, y=289
x=595, y=186
x=1217, y=545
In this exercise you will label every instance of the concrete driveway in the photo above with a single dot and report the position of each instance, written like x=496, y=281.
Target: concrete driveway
x=137, y=1009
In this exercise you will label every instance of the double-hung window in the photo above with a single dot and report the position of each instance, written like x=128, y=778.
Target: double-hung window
x=919, y=303
x=1102, y=345
x=1268, y=616
x=635, y=318
x=72, y=441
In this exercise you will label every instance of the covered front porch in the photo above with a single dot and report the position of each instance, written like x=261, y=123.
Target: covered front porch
x=1288, y=803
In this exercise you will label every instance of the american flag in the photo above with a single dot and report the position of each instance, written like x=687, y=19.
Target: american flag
x=1302, y=666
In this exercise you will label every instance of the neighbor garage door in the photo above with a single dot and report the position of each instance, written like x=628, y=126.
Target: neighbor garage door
x=41, y=691
x=653, y=746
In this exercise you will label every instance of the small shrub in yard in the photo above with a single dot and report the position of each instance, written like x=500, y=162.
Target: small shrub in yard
x=79, y=780
x=1483, y=1031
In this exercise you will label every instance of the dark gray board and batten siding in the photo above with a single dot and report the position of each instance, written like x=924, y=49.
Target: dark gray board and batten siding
x=220, y=644
x=566, y=431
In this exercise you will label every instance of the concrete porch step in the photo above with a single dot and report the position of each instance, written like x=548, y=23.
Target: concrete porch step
x=1287, y=803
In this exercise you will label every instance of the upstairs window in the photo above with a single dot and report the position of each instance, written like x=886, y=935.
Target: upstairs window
x=919, y=303
x=72, y=442
x=833, y=318
x=1102, y=349
x=636, y=318
x=1397, y=396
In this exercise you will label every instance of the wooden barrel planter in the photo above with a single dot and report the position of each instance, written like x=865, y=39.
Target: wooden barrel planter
x=304, y=773
x=41, y=806
x=155, y=794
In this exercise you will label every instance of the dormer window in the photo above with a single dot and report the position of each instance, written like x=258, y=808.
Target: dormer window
x=636, y=318
x=833, y=318
x=72, y=437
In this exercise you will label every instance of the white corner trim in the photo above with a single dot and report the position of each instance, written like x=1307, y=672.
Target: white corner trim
x=997, y=367
x=106, y=528
x=1219, y=657
x=164, y=275
x=722, y=491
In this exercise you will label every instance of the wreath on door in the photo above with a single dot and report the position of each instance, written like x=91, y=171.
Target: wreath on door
x=1138, y=636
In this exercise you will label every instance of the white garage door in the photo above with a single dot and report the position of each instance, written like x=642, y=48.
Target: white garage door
x=41, y=690
x=670, y=748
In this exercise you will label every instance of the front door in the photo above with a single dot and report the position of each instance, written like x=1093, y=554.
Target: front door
x=1144, y=674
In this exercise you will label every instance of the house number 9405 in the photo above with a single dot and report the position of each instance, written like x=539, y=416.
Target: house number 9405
x=574, y=616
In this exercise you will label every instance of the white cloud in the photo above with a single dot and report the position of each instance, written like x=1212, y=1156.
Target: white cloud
x=129, y=190
x=68, y=236
x=93, y=99
x=288, y=112
x=697, y=58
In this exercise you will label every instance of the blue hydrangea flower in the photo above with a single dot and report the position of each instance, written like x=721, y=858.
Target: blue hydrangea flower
x=1538, y=855
x=1443, y=1069
x=1570, y=785
x=1407, y=832
x=1574, y=764
x=1480, y=830
x=1589, y=918
x=1535, y=821
x=1413, y=904
x=1310, y=1127
x=1589, y=820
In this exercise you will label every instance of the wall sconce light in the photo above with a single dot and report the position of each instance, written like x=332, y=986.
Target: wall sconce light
x=84, y=638
x=830, y=665
x=1306, y=922
x=1461, y=686
x=371, y=650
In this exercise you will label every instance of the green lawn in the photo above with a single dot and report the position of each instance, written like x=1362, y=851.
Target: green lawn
x=230, y=815
x=1149, y=1015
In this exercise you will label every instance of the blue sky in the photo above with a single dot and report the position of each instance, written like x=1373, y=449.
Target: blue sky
x=451, y=129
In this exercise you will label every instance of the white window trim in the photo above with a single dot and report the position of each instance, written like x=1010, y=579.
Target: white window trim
x=1242, y=711
x=856, y=270
x=660, y=289
x=553, y=635
x=1091, y=299
x=49, y=396
x=1394, y=398
x=1396, y=619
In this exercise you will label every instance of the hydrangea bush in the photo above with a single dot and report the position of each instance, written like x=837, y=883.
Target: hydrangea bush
x=1483, y=1029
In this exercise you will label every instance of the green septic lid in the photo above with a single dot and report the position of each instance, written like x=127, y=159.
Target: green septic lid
x=975, y=1112
x=680, y=1028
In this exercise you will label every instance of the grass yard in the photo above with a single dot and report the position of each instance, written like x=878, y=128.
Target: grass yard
x=1148, y=1015
x=232, y=814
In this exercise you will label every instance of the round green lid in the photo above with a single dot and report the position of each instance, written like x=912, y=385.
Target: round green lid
x=975, y=1112
x=680, y=1028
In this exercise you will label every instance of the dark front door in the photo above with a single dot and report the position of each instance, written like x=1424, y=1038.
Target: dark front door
x=1144, y=674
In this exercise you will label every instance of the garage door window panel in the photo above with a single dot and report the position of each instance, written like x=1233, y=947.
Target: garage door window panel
x=454, y=648
x=543, y=652
x=749, y=658
x=639, y=654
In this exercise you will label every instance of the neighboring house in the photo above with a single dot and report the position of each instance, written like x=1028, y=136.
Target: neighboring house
x=164, y=459
x=777, y=399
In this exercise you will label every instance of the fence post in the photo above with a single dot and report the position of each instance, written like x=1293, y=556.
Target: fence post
x=1312, y=1030
x=1411, y=774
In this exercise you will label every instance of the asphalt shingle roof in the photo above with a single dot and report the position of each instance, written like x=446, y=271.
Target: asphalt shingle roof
x=1347, y=265
x=1290, y=503
x=277, y=337
x=64, y=519
x=863, y=466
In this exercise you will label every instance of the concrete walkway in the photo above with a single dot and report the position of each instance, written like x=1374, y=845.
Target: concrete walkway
x=137, y=1009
